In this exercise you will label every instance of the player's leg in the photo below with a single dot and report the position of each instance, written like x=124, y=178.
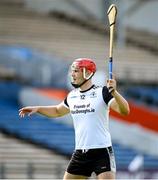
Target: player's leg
x=78, y=167
x=106, y=175
x=105, y=166
x=72, y=176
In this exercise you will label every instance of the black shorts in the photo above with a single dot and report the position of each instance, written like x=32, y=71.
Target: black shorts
x=93, y=160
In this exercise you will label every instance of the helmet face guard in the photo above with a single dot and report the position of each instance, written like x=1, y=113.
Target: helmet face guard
x=87, y=66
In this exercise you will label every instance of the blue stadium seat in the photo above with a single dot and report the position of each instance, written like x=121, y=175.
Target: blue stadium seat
x=148, y=95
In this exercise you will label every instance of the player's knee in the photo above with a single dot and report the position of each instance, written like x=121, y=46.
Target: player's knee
x=107, y=175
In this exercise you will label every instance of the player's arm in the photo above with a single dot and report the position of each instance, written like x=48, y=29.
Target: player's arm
x=49, y=111
x=119, y=104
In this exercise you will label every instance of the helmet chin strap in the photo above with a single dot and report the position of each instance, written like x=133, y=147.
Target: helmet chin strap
x=79, y=85
x=84, y=74
x=85, y=77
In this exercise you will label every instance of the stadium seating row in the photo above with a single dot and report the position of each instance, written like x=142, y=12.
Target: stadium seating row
x=148, y=95
x=74, y=41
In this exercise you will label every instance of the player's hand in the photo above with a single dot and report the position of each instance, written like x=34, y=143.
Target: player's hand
x=111, y=85
x=28, y=110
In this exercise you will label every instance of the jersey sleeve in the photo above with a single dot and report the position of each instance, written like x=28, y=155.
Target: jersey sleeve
x=107, y=96
x=65, y=103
